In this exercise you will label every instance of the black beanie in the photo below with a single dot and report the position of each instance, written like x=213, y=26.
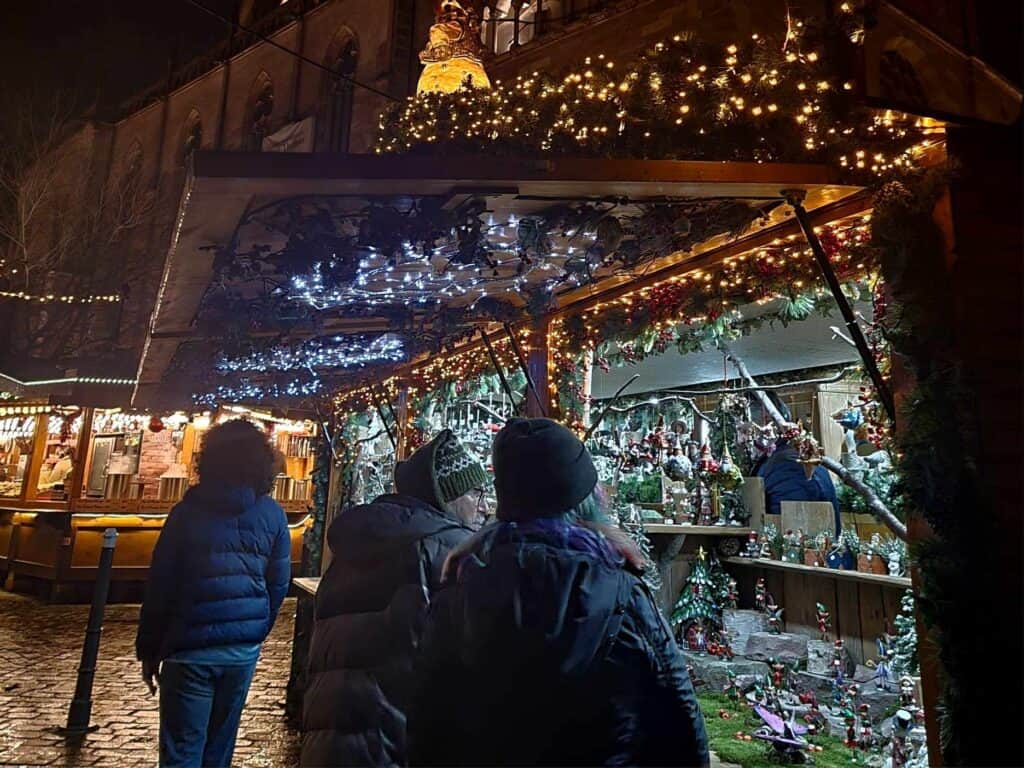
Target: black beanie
x=541, y=469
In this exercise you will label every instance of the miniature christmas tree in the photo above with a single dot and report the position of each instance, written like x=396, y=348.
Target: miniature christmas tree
x=905, y=659
x=633, y=526
x=697, y=612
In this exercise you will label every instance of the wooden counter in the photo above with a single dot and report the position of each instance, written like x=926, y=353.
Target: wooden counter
x=61, y=546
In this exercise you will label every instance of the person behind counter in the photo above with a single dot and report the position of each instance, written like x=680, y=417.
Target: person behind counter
x=219, y=574
x=785, y=480
x=372, y=602
x=545, y=647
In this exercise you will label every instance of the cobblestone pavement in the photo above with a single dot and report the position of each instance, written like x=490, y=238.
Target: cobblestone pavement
x=40, y=646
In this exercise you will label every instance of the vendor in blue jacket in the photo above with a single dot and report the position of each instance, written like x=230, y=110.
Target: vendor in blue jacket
x=784, y=478
x=219, y=573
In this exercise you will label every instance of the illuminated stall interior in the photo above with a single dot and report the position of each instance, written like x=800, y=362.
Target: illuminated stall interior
x=68, y=472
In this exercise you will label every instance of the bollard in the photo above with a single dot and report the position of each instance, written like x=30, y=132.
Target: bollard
x=81, y=705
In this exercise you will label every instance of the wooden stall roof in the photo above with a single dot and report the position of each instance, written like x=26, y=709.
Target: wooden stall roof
x=222, y=186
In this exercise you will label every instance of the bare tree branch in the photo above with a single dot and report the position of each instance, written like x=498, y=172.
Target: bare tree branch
x=875, y=504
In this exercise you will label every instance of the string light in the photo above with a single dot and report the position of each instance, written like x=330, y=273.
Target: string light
x=332, y=352
x=595, y=111
x=51, y=298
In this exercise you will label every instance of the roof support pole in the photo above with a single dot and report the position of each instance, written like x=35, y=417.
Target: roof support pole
x=795, y=198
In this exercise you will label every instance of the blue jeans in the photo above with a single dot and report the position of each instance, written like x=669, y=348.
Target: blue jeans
x=200, y=707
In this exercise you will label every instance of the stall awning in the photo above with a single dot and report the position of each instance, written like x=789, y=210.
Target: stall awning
x=568, y=227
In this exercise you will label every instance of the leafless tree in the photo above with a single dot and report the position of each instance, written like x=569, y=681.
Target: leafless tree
x=62, y=222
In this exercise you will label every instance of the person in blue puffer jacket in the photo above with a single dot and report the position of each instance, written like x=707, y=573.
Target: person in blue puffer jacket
x=219, y=574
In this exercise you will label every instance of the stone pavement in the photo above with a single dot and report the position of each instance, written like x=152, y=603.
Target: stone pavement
x=40, y=646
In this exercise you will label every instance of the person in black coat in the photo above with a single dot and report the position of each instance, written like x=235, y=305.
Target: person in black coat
x=545, y=647
x=372, y=604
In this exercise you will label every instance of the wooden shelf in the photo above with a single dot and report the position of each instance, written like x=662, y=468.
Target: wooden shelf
x=899, y=582
x=695, y=530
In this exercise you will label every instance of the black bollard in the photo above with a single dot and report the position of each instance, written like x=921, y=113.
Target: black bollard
x=80, y=711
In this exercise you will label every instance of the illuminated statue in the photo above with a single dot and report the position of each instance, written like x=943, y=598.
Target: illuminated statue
x=454, y=52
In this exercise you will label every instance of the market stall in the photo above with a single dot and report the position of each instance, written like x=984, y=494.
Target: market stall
x=495, y=259
x=72, y=472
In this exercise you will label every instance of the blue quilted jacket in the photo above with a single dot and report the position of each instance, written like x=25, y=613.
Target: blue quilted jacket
x=784, y=480
x=219, y=573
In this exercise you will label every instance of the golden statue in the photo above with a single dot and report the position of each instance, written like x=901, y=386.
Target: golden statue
x=454, y=52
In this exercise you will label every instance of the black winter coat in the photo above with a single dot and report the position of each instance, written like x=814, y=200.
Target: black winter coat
x=370, y=611
x=547, y=651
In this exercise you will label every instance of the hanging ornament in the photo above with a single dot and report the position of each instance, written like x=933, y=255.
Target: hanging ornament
x=156, y=424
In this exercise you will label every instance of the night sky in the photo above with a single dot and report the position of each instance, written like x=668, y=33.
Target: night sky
x=103, y=50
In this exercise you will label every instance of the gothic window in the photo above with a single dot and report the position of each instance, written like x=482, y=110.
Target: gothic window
x=338, y=99
x=261, y=107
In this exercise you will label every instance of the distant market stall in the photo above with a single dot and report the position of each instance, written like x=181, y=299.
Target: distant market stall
x=68, y=472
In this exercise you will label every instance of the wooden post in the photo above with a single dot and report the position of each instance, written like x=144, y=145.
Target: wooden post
x=402, y=420
x=588, y=384
x=537, y=364
x=30, y=486
x=74, y=492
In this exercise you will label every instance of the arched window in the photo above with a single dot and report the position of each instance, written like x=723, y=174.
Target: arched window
x=336, y=111
x=261, y=107
x=193, y=137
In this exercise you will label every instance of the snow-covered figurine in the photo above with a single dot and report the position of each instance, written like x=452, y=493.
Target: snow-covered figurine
x=824, y=620
x=895, y=564
x=899, y=755
x=760, y=594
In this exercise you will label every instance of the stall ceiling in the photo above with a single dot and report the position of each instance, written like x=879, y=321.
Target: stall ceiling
x=803, y=344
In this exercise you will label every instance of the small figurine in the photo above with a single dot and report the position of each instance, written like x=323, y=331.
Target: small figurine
x=732, y=688
x=759, y=594
x=753, y=549
x=850, y=720
x=732, y=595
x=907, y=700
x=838, y=653
x=824, y=620
x=895, y=566
x=883, y=668
x=698, y=641
x=867, y=736
x=902, y=723
x=774, y=616
x=778, y=673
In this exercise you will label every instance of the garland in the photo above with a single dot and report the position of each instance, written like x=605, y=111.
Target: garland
x=940, y=476
x=763, y=99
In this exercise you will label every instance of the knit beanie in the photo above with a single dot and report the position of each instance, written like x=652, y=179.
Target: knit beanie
x=439, y=471
x=541, y=469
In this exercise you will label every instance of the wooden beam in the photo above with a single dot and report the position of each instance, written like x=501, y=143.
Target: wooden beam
x=81, y=454
x=30, y=487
